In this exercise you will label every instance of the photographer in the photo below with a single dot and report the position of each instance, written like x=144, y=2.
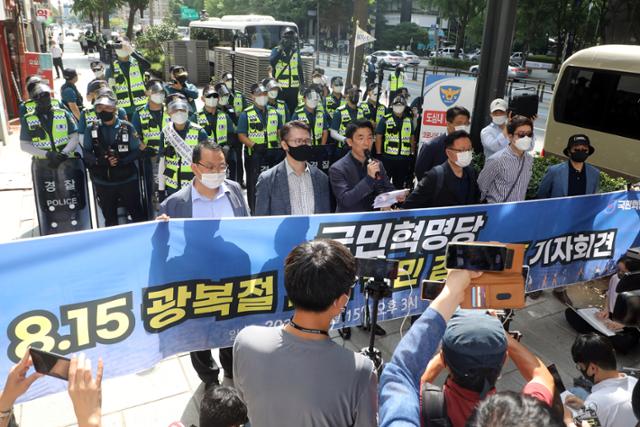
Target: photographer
x=474, y=348
x=126, y=76
x=287, y=65
x=179, y=84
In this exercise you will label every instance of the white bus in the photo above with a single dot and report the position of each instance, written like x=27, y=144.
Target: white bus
x=254, y=31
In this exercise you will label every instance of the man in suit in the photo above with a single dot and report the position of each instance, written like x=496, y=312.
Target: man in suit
x=293, y=186
x=575, y=177
x=210, y=195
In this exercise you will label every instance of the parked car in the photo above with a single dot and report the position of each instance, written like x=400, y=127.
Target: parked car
x=474, y=56
x=408, y=57
x=307, y=49
x=448, y=52
x=386, y=59
x=514, y=71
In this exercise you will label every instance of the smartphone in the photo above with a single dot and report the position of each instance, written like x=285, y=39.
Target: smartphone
x=556, y=378
x=378, y=268
x=50, y=363
x=478, y=257
x=431, y=289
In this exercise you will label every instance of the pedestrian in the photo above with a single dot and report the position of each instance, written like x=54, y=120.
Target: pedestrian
x=71, y=96
x=287, y=65
x=56, y=55
x=494, y=135
x=506, y=175
x=61, y=40
x=395, y=142
x=125, y=76
x=82, y=39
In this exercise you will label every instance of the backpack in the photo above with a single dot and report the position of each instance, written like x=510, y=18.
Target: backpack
x=433, y=409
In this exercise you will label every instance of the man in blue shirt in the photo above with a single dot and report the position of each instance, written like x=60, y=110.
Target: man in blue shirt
x=494, y=137
x=71, y=96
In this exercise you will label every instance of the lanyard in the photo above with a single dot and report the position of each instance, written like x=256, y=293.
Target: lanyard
x=309, y=331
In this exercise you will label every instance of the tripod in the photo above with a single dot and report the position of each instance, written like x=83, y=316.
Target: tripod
x=377, y=289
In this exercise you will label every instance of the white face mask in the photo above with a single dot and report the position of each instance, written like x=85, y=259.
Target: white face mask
x=317, y=80
x=273, y=94
x=466, y=128
x=524, y=143
x=121, y=53
x=464, y=158
x=157, y=98
x=338, y=89
x=262, y=100
x=99, y=74
x=311, y=103
x=499, y=120
x=180, y=117
x=224, y=100
x=211, y=102
x=398, y=109
x=213, y=180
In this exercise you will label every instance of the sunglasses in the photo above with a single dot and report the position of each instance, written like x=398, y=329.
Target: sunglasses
x=524, y=134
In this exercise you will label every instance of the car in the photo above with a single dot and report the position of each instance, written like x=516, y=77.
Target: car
x=517, y=57
x=408, y=57
x=386, y=59
x=307, y=49
x=474, y=56
x=514, y=71
x=448, y=52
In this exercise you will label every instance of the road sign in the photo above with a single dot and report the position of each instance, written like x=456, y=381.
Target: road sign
x=189, y=13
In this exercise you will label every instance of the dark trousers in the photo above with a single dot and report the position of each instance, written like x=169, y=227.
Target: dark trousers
x=128, y=194
x=85, y=48
x=398, y=169
x=57, y=63
x=623, y=341
x=259, y=161
x=232, y=160
x=207, y=368
x=239, y=163
x=290, y=96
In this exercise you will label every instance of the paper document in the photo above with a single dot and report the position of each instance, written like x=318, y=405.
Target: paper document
x=563, y=397
x=589, y=314
x=385, y=200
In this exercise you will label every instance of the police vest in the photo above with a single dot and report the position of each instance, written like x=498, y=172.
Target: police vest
x=397, y=141
x=318, y=126
x=90, y=116
x=287, y=72
x=367, y=111
x=79, y=102
x=129, y=89
x=345, y=119
x=217, y=134
x=120, y=147
x=40, y=137
x=281, y=109
x=333, y=104
x=396, y=82
x=178, y=174
x=151, y=130
x=30, y=105
x=256, y=131
x=238, y=102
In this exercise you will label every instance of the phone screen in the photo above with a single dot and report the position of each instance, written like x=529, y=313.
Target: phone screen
x=431, y=289
x=50, y=363
x=475, y=257
x=377, y=268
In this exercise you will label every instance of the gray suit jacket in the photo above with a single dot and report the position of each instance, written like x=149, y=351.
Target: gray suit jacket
x=272, y=191
x=179, y=204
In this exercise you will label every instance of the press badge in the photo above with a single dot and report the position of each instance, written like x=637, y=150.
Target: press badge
x=94, y=133
x=123, y=148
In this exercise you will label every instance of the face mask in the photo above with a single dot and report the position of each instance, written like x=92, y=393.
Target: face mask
x=44, y=103
x=466, y=128
x=121, y=53
x=180, y=117
x=464, y=158
x=157, y=98
x=99, y=74
x=181, y=79
x=224, y=100
x=273, y=94
x=213, y=180
x=499, y=120
x=211, y=102
x=590, y=378
x=311, y=103
x=354, y=98
x=302, y=153
x=317, y=80
x=338, y=89
x=398, y=110
x=579, y=156
x=105, y=116
x=524, y=143
x=261, y=101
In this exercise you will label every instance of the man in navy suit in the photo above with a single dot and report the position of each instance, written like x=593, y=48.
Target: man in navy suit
x=293, y=186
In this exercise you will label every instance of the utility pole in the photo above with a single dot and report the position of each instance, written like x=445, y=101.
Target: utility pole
x=360, y=16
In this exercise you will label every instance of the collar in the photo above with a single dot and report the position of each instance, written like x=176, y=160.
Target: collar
x=356, y=161
x=195, y=194
x=463, y=393
x=290, y=169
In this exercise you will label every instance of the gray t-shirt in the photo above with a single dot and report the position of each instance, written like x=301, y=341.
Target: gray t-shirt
x=289, y=381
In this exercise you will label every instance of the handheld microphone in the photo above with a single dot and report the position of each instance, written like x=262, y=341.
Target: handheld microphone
x=369, y=159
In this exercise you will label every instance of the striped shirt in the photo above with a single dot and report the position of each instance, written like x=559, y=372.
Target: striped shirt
x=300, y=191
x=499, y=174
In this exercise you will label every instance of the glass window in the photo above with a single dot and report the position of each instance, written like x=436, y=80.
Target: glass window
x=264, y=36
x=602, y=100
x=215, y=36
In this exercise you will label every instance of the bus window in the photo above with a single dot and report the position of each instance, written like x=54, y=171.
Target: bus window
x=605, y=101
x=264, y=36
x=215, y=36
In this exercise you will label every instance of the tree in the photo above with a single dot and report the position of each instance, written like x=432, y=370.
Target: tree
x=460, y=12
x=134, y=6
x=405, y=10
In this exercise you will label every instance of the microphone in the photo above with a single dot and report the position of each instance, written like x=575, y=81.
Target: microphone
x=368, y=159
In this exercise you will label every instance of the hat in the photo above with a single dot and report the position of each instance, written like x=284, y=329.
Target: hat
x=337, y=81
x=176, y=67
x=154, y=86
x=257, y=88
x=498, y=104
x=208, y=91
x=473, y=340
x=40, y=89
x=400, y=67
x=271, y=84
x=222, y=89
x=96, y=65
x=399, y=100
x=69, y=73
x=311, y=93
x=178, y=104
x=96, y=84
x=227, y=77
x=578, y=140
x=106, y=100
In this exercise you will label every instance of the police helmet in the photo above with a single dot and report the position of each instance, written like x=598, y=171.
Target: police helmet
x=270, y=83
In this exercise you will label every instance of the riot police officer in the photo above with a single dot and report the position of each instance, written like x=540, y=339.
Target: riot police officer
x=126, y=77
x=258, y=129
x=29, y=106
x=336, y=98
x=273, y=91
x=287, y=67
x=180, y=84
x=228, y=104
x=395, y=142
x=372, y=109
x=111, y=148
x=88, y=116
x=71, y=97
x=232, y=98
x=314, y=116
x=342, y=117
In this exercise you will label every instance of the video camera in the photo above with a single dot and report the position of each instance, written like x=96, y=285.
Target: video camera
x=502, y=283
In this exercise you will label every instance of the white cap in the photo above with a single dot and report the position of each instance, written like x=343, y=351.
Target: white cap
x=498, y=104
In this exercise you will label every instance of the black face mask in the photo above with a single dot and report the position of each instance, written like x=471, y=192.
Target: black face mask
x=43, y=104
x=181, y=79
x=579, y=156
x=590, y=378
x=105, y=116
x=302, y=153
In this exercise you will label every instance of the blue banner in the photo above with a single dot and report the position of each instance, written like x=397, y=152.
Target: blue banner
x=139, y=293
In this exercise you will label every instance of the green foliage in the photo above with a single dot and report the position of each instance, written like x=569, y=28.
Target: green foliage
x=150, y=43
x=540, y=166
x=117, y=22
x=402, y=35
x=548, y=59
x=609, y=183
x=460, y=64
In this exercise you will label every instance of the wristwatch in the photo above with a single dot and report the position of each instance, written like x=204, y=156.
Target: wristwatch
x=6, y=414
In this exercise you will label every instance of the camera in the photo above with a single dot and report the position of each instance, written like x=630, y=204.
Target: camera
x=627, y=307
x=377, y=268
x=501, y=286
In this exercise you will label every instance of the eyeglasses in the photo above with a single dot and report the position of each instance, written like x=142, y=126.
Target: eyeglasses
x=298, y=142
x=524, y=134
x=217, y=168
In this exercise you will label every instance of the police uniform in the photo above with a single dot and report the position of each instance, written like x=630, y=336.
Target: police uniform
x=341, y=119
x=220, y=130
x=396, y=153
x=368, y=110
x=128, y=88
x=395, y=82
x=332, y=103
x=177, y=172
x=281, y=108
x=318, y=122
x=287, y=68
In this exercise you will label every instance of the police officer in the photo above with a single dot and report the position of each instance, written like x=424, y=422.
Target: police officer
x=258, y=129
x=70, y=94
x=126, y=77
x=395, y=142
x=97, y=68
x=313, y=115
x=235, y=99
x=180, y=84
x=218, y=126
x=111, y=148
x=177, y=142
x=88, y=116
x=342, y=117
x=29, y=106
x=370, y=72
x=47, y=132
x=336, y=98
x=396, y=81
x=226, y=104
x=273, y=91
x=371, y=109
x=287, y=67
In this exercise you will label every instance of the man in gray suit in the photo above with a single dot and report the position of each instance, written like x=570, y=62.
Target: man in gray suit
x=293, y=186
x=210, y=195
